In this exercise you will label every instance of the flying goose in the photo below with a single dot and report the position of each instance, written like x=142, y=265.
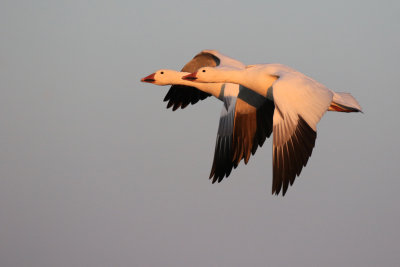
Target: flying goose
x=245, y=120
x=299, y=101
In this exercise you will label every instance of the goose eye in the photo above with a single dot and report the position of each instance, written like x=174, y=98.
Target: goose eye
x=204, y=70
x=162, y=72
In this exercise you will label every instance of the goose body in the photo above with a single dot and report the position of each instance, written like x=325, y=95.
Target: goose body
x=245, y=120
x=299, y=102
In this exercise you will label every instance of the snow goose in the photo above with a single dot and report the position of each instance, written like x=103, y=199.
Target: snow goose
x=245, y=121
x=299, y=101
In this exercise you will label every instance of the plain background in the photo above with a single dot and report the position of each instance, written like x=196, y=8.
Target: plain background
x=95, y=171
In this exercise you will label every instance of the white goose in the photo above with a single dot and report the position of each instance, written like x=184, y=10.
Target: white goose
x=246, y=117
x=300, y=102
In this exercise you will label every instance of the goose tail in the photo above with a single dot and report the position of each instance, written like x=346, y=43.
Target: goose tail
x=344, y=102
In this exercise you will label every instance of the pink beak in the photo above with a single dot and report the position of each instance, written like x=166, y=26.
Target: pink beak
x=149, y=79
x=190, y=77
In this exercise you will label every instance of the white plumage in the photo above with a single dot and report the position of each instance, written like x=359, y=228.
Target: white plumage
x=300, y=102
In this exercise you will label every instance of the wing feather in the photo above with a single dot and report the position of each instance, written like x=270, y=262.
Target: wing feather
x=301, y=103
x=253, y=123
x=180, y=96
x=223, y=155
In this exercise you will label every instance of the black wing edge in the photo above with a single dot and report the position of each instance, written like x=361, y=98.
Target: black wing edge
x=180, y=96
x=289, y=159
x=224, y=148
x=223, y=159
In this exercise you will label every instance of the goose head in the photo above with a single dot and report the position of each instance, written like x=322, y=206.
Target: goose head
x=162, y=77
x=204, y=75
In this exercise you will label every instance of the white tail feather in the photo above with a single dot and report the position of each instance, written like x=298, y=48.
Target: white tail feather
x=347, y=100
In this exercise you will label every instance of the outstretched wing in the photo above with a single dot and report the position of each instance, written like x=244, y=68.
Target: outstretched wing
x=223, y=155
x=179, y=96
x=300, y=102
x=245, y=123
x=253, y=123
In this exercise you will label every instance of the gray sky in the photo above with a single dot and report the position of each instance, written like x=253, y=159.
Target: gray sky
x=94, y=171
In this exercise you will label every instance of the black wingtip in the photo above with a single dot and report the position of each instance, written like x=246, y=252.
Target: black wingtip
x=290, y=158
